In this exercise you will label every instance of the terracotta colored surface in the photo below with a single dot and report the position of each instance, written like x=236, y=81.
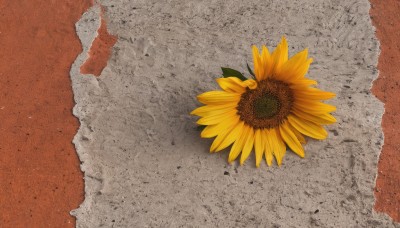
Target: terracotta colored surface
x=99, y=51
x=40, y=179
x=385, y=16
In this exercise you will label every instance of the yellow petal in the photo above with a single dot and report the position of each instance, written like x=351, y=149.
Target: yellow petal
x=227, y=137
x=217, y=118
x=231, y=84
x=309, y=93
x=258, y=67
x=295, y=62
x=211, y=110
x=295, y=68
x=235, y=85
x=218, y=98
x=299, y=136
x=213, y=130
x=314, y=107
x=252, y=84
x=279, y=147
x=323, y=118
x=267, y=62
x=239, y=144
x=307, y=128
x=258, y=146
x=221, y=137
x=290, y=139
x=280, y=56
x=268, y=148
x=301, y=83
x=248, y=146
x=300, y=72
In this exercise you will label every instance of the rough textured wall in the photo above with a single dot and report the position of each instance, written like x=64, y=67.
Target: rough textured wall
x=144, y=162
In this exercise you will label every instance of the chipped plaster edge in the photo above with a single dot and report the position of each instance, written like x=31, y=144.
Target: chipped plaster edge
x=87, y=31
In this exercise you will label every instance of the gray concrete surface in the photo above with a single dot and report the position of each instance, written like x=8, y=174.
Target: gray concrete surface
x=144, y=162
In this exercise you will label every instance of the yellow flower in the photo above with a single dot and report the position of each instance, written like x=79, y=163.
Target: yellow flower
x=269, y=113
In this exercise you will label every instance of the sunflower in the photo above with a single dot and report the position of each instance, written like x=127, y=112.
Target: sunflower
x=274, y=110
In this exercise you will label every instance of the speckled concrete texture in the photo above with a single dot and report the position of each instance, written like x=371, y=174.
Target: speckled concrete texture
x=144, y=162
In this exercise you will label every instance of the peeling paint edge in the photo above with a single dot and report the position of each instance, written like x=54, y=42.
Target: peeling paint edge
x=87, y=30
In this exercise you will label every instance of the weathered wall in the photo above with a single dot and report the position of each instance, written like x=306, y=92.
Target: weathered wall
x=143, y=159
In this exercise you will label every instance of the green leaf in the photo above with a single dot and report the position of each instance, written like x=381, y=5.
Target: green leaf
x=250, y=71
x=228, y=72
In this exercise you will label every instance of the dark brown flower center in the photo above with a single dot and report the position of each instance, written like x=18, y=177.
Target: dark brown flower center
x=267, y=106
